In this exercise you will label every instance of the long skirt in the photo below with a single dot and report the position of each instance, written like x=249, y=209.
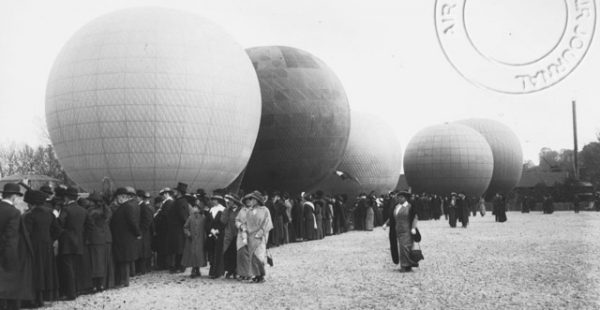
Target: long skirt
x=109, y=278
x=243, y=261
x=310, y=232
x=45, y=274
x=257, y=268
x=369, y=219
x=216, y=264
x=230, y=258
x=405, y=245
x=84, y=272
x=98, y=260
x=319, y=221
x=452, y=215
x=278, y=235
x=327, y=227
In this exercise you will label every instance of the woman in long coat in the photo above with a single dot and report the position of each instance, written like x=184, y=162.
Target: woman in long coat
x=258, y=225
x=297, y=219
x=100, y=254
x=403, y=224
x=310, y=225
x=43, y=229
x=217, y=235
x=243, y=255
x=230, y=236
x=193, y=252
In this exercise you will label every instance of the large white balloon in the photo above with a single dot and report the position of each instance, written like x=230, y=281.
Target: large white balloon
x=150, y=96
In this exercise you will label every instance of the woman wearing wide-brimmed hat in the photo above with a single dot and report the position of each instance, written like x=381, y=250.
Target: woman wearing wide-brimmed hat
x=234, y=205
x=256, y=227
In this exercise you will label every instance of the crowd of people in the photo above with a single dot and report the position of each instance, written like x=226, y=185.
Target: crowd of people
x=69, y=243
x=66, y=245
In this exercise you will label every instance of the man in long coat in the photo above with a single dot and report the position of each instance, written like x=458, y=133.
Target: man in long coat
x=297, y=220
x=43, y=229
x=125, y=229
x=16, y=279
x=73, y=220
x=463, y=209
x=176, y=217
x=142, y=265
x=161, y=226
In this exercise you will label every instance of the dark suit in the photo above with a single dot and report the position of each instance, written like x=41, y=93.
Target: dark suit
x=16, y=279
x=125, y=228
x=176, y=218
x=73, y=219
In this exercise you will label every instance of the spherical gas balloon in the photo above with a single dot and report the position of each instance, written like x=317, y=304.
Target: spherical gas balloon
x=148, y=97
x=305, y=120
x=507, y=152
x=448, y=158
x=372, y=161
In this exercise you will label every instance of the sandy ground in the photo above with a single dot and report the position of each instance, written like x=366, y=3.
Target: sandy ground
x=533, y=261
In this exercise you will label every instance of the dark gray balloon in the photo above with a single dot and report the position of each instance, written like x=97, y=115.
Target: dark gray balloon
x=305, y=120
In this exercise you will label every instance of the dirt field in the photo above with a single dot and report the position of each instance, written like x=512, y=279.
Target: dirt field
x=533, y=261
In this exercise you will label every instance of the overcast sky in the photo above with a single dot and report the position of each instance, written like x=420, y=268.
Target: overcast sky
x=385, y=52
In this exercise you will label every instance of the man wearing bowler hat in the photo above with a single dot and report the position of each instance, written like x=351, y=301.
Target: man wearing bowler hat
x=125, y=228
x=15, y=252
x=73, y=219
x=176, y=217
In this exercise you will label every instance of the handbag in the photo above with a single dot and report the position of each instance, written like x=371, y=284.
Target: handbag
x=416, y=255
x=417, y=236
x=269, y=258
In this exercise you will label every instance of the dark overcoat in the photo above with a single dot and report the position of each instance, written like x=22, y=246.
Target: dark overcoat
x=298, y=219
x=43, y=229
x=176, y=217
x=161, y=228
x=16, y=278
x=147, y=229
x=125, y=228
x=73, y=220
